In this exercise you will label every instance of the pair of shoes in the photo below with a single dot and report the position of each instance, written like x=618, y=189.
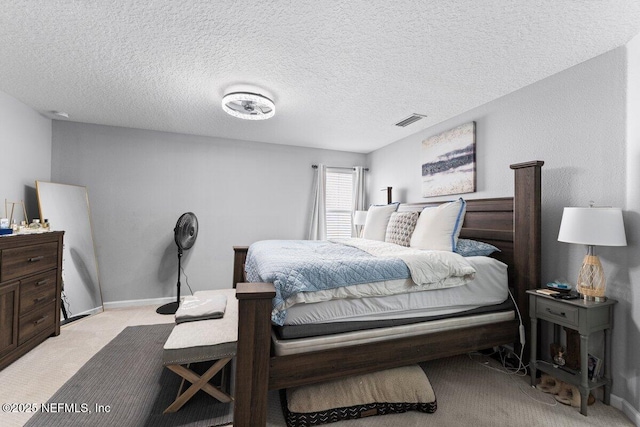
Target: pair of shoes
x=564, y=393
x=570, y=395
x=548, y=384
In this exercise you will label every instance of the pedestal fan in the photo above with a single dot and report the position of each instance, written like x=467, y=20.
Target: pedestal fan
x=184, y=234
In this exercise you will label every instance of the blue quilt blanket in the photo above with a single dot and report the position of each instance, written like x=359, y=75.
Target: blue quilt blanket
x=306, y=266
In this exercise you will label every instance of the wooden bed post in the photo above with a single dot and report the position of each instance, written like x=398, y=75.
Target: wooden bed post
x=527, y=242
x=254, y=346
x=239, y=258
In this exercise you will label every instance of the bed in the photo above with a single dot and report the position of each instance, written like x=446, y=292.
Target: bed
x=512, y=224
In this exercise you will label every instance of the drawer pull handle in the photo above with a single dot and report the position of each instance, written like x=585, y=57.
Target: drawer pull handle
x=555, y=313
x=37, y=300
x=40, y=320
x=42, y=282
x=36, y=258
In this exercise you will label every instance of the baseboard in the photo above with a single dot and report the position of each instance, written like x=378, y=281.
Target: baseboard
x=85, y=313
x=632, y=413
x=138, y=302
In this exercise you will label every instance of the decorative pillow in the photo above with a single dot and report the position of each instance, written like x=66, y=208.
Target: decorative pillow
x=467, y=247
x=385, y=392
x=400, y=227
x=375, y=226
x=438, y=228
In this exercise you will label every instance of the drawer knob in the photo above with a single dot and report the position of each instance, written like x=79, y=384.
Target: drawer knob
x=42, y=282
x=40, y=320
x=36, y=258
x=37, y=300
x=555, y=313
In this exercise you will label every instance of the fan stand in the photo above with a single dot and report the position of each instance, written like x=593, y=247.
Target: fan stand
x=172, y=307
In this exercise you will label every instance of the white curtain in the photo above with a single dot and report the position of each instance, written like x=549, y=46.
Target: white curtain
x=318, y=226
x=358, y=195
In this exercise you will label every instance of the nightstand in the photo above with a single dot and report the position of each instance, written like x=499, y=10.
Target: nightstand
x=586, y=317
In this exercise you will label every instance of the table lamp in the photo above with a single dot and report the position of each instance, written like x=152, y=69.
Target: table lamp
x=359, y=219
x=592, y=226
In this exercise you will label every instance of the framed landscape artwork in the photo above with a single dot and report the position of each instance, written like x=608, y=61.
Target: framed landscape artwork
x=449, y=162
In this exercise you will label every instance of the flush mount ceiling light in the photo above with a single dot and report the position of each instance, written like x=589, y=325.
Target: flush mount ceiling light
x=248, y=106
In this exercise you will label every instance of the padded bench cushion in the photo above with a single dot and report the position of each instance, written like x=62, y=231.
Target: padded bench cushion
x=205, y=339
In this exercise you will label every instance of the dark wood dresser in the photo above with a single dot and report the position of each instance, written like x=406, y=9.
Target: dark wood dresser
x=30, y=292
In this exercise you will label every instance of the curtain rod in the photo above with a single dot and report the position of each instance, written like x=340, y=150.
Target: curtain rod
x=337, y=167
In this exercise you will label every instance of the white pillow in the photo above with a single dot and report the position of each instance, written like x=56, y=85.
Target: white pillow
x=375, y=226
x=438, y=228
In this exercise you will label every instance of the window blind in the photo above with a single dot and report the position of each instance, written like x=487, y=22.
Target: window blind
x=339, y=195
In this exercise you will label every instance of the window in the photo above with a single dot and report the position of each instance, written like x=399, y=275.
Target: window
x=339, y=202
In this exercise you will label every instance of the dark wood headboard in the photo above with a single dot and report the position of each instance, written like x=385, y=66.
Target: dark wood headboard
x=512, y=224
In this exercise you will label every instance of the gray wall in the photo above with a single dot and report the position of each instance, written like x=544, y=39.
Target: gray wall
x=25, y=144
x=575, y=122
x=139, y=182
x=627, y=289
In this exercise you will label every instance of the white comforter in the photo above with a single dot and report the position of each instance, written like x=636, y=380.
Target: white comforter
x=429, y=269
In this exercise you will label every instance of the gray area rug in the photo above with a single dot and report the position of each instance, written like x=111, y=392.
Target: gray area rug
x=128, y=379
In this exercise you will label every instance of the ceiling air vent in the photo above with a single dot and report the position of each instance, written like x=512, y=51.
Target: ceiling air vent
x=411, y=119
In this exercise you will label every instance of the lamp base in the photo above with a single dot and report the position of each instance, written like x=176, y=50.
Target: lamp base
x=593, y=299
x=591, y=281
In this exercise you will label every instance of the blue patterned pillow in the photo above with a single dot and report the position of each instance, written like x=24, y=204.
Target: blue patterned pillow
x=467, y=247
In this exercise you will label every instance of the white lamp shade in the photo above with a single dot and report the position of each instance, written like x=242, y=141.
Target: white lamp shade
x=359, y=217
x=592, y=226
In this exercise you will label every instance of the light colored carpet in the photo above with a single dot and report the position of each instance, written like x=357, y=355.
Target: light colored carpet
x=474, y=391
x=468, y=392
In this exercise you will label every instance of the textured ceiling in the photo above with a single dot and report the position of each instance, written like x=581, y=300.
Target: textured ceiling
x=340, y=72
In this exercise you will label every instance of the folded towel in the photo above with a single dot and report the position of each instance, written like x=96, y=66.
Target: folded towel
x=198, y=308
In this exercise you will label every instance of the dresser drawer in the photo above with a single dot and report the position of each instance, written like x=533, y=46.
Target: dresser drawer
x=37, y=291
x=557, y=312
x=26, y=260
x=37, y=321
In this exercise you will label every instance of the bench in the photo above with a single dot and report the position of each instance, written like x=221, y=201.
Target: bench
x=203, y=341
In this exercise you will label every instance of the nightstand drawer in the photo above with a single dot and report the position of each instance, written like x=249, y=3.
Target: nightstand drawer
x=557, y=312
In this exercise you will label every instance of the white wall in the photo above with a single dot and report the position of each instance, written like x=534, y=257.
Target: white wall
x=575, y=122
x=25, y=144
x=139, y=182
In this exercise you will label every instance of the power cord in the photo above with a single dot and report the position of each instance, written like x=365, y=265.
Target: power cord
x=522, y=336
x=65, y=303
x=522, y=386
x=186, y=279
x=521, y=370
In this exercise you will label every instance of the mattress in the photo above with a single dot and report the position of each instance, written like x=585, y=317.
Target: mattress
x=307, y=267
x=304, y=345
x=490, y=287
